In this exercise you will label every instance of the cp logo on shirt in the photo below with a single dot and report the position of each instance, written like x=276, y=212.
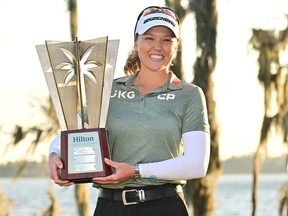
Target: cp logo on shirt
x=166, y=96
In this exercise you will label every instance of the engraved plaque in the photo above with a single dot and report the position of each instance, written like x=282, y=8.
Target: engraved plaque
x=84, y=151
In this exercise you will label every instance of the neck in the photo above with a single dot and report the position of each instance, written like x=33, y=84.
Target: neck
x=147, y=82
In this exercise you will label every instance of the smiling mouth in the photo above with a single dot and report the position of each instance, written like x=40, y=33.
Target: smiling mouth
x=156, y=57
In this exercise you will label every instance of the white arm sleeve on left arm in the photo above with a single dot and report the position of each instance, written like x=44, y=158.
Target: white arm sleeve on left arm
x=193, y=164
x=55, y=144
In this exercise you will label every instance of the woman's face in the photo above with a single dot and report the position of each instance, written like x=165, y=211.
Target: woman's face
x=156, y=48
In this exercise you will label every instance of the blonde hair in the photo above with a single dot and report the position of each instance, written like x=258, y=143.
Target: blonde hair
x=132, y=62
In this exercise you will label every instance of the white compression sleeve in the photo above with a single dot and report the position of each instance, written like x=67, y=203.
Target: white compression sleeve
x=193, y=164
x=55, y=145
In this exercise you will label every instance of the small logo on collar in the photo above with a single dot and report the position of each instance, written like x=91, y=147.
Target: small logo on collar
x=176, y=81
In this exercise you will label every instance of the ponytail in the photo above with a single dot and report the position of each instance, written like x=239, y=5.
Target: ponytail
x=132, y=62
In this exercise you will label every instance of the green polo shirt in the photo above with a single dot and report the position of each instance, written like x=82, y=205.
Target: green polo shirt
x=148, y=128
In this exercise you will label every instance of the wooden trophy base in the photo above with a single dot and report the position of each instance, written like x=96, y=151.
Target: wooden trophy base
x=82, y=153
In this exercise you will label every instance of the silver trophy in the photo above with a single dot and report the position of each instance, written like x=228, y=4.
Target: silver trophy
x=79, y=76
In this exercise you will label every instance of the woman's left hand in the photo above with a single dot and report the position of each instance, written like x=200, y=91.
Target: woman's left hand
x=123, y=172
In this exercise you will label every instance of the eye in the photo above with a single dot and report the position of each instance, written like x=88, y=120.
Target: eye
x=168, y=40
x=149, y=38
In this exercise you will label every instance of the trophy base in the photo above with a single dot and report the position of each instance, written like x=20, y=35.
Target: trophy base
x=82, y=153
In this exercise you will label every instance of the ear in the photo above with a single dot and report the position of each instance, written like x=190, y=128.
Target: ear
x=175, y=50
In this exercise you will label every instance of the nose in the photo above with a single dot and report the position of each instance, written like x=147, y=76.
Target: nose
x=158, y=44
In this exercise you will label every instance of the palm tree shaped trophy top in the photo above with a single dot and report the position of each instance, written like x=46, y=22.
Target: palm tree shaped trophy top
x=75, y=73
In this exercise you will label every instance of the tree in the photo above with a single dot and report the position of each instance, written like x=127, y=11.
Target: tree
x=206, y=31
x=199, y=193
x=81, y=190
x=274, y=78
x=51, y=126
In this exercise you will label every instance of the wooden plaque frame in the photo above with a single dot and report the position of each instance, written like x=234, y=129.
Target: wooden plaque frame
x=82, y=153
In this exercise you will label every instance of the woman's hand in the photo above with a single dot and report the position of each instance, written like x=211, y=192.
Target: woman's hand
x=55, y=164
x=123, y=172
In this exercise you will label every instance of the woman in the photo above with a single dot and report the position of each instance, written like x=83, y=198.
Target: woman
x=157, y=126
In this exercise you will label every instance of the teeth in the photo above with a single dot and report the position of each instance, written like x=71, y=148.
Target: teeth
x=156, y=57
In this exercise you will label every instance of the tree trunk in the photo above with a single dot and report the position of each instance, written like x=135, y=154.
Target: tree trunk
x=81, y=190
x=73, y=18
x=202, y=190
x=82, y=198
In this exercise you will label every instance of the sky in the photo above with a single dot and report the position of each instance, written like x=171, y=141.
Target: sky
x=237, y=92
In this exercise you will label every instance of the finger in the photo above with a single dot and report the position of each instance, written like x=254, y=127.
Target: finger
x=104, y=180
x=55, y=170
x=58, y=163
x=110, y=162
x=63, y=183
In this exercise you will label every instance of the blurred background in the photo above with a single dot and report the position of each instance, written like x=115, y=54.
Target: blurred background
x=238, y=93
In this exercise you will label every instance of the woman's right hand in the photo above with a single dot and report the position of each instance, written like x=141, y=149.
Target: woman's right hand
x=55, y=164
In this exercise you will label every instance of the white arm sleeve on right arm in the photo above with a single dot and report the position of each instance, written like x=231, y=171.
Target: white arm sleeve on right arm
x=193, y=164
